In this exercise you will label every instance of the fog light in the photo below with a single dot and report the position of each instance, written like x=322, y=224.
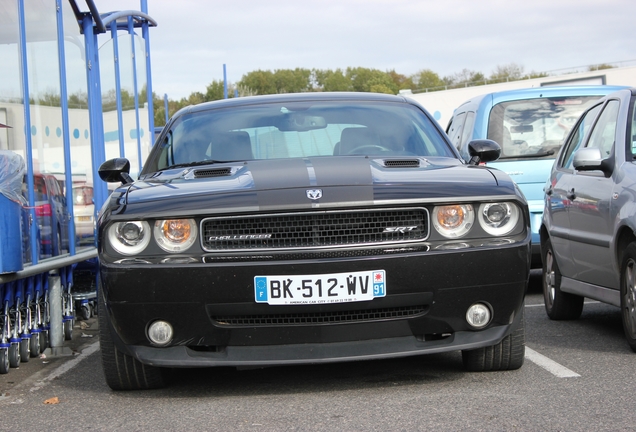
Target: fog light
x=160, y=332
x=478, y=315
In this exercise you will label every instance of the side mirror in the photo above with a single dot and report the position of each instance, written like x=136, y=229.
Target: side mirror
x=115, y=170
x=483, y=150
x=591, y=159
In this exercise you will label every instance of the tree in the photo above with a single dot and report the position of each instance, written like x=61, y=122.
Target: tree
x=215, y=91
x=509, y=72
x=401, y=81
x=427, y=79
x=49, y=98
x=292, y=81
x=362, y=79
x=329, y=81
x=534, y=74
x=358, y=79
x=600, y=66
x=465, y=78
x=194, y=99
x=261, y=82
x=78, y=100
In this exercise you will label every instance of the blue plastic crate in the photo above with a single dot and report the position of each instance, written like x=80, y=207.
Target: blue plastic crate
x=10, y=236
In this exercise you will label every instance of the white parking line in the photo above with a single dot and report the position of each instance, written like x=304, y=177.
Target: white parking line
x=542, y=305
x=550, y=365
x=72, y=363
x=65, y=367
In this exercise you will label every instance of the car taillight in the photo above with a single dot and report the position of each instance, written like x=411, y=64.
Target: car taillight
x=43, y=210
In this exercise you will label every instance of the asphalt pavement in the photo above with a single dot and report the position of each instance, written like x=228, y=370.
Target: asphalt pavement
x=85, y=334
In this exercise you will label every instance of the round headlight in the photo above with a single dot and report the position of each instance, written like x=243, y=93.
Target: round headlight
x=129, y=238
x=175, y=235
x=453, y=221
x=498, y=218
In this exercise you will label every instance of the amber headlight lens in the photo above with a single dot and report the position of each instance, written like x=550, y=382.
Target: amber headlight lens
x=453, y=221
x=129, y=238
x=498, y=218
x=175, y=235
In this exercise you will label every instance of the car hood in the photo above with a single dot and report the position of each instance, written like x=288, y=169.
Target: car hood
x=530, y=175
x=304, y=183
x=526, y=171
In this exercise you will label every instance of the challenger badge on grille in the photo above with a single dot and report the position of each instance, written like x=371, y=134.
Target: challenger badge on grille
x=239, y=237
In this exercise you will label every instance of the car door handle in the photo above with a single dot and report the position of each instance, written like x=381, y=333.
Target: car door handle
x=571, y=194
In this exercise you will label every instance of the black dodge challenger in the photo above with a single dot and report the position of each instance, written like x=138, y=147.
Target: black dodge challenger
x=309, y=228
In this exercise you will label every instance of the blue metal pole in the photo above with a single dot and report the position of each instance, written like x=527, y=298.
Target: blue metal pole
x=27, y=129
x=131, y=30
x=120, y=119
x=65, y=129
x=98, y=153
x=224, y=83
x=149, y=94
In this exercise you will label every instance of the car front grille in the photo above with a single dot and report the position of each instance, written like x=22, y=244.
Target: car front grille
x=315, y=229
x=320, y=317
x=313, y=255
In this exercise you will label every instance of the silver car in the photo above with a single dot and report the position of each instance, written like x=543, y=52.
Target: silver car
x=587, y=234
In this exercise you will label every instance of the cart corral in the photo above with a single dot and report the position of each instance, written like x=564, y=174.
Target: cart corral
x=76, y=88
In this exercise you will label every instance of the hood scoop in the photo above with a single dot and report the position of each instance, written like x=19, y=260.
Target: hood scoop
x=213, y=172
x=402, y=163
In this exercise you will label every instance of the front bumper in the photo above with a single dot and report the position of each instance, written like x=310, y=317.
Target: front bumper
x=375, y=349
x=201, y=300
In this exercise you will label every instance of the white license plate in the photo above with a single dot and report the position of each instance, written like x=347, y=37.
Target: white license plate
x=320, y=289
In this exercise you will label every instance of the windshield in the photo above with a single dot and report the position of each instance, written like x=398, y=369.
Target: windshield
x=83, y=195
x=297, y=130
x=535, y=127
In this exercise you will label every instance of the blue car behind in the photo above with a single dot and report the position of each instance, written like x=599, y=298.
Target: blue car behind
x=530, y=126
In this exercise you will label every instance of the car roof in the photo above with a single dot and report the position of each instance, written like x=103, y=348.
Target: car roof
x=293, y=97
x=547, y=91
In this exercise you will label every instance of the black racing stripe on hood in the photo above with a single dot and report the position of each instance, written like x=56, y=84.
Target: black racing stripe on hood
x=284, y=183
x=279, y=174
x=346, y=171
x=272, y=180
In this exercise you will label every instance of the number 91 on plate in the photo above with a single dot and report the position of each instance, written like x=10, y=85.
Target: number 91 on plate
x=320, y=289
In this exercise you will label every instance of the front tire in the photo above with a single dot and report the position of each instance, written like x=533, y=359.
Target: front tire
x=508, y=354
x=558, y=304
x=628, y=294
x=123, y=372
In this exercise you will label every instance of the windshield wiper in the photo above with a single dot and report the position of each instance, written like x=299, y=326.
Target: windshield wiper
x=197, y=163
x=529, y=156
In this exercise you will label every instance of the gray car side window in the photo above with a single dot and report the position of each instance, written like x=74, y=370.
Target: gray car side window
x=468, y=128
x=604, y=132
x=578, y=134
x=455, y=129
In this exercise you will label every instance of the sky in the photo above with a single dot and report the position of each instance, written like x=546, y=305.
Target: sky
x=195, y=38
